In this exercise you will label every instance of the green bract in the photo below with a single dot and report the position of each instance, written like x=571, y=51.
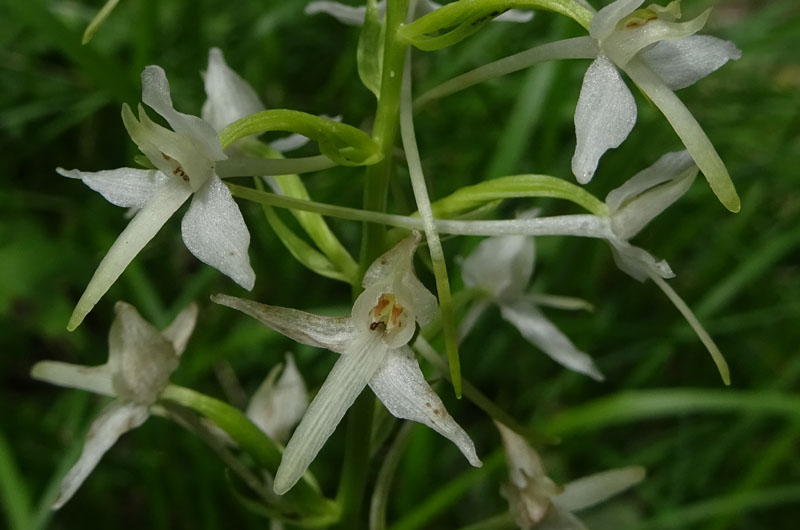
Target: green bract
x=454, y=22
x=515, y=186
x=344, y=144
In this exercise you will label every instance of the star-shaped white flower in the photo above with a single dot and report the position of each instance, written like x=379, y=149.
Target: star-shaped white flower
x=373, y=343
x=660, y=55
x=354, y=16
x=537, y=502
x=501, y=267
x=213, y=228
x=140, y=362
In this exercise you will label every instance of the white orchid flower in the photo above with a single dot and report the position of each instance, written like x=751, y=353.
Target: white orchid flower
x=637, y=202
x=501, y=267
x=373, y=343
x=140, y=362
x=537, y=502
x=213, y=228
x=660, y=54
x=354, y=16
x=279, y=402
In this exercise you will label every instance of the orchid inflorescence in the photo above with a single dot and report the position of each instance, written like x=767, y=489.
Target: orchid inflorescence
x=193, y=157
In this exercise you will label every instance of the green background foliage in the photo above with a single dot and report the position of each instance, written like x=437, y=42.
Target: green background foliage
x=717, y=458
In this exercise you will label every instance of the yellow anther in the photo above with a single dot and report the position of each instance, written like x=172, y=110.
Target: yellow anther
x=386, y=313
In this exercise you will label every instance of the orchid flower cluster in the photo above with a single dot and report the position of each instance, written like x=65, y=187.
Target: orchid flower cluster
x=393, y=311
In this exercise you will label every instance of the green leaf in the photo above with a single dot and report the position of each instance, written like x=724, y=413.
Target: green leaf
x=342, y=143
x=456, y=21
x=98, y=19
x=302, y=251
x=13, y=491
x=633, y=405
x=313, y=224
x=369, y=54
x=516, y=186
x=104, y=73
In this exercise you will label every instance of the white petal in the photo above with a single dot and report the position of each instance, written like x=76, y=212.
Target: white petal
x=402, y=388
x=648, y=193
x=605, y=21
x=688, y=130
x=141, y=358
x=136, y=235
x=500, y=266
x=277, y=406
x=604, y=116
x=229, y=97
x=681, y=63
x=155, y=93
x=115, y=421
x=538, y=330
x=393, y=262
x=175, y=154
x=524, y=464
x=626, y=42
x=637, y=262
x=214, y=231
x=347, y=379
x=668, y=167
x=393, y=272
x=593, y=489
x=561, y=520
x=425, y=303
x=351, y=16
x=95, y=379
x=126, y=186
x=180, y=329
x=515, y=15
x=289, y=143
x=333, y=333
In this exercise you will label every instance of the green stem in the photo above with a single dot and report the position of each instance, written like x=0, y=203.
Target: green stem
x=380, y=496
x=353, y=480
x=359, y=424
x=384, y=129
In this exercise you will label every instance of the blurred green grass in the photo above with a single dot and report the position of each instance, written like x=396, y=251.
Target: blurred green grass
x=731, y=469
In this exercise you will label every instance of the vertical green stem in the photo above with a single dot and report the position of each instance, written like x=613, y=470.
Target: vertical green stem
x=353, y=479
x=384, y=131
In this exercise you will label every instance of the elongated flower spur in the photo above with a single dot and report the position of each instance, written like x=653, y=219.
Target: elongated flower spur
x=373, y=343
x=501, y=267
x=213, y=228
x=140, y=362
x=537, y=502
x=660, y=54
